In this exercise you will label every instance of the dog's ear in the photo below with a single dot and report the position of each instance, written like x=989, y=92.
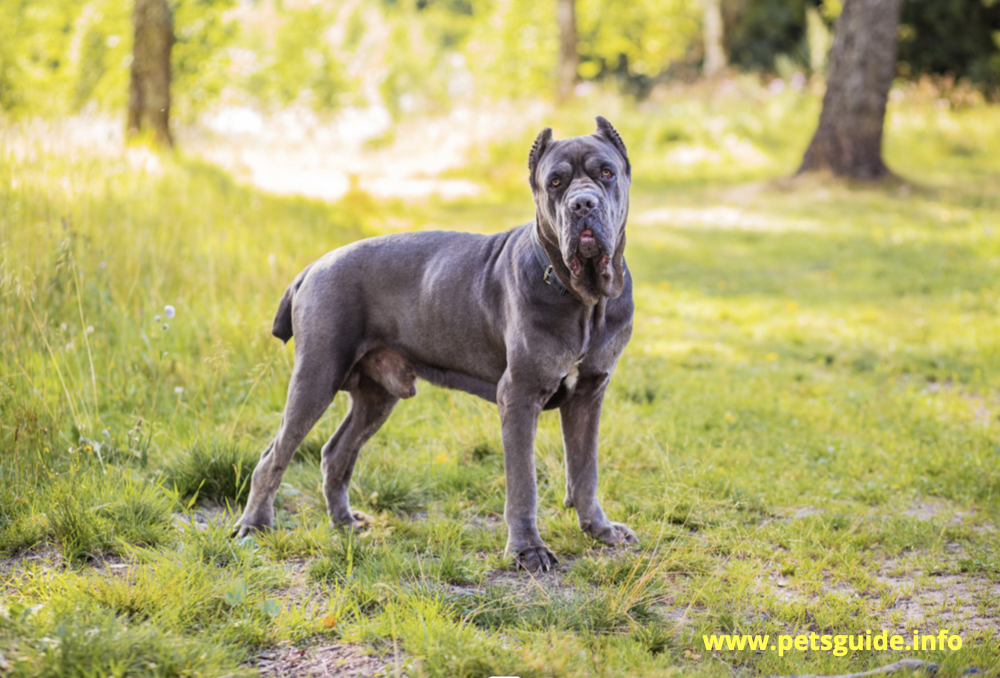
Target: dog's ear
x=537, y=150
x=605, y=130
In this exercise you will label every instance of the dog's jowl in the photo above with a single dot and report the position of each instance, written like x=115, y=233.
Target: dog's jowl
x=531, y=319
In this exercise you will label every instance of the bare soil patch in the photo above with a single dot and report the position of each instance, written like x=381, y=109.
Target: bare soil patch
x=334, y=659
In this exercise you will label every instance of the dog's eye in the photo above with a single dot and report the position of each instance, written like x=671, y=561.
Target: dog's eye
x=606, y=173
x=556, y=183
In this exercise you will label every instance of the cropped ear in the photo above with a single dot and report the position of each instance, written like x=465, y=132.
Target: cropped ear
x=605, y=130
x=537, y=150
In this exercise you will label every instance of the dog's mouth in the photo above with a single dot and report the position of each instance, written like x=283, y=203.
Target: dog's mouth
x=590, y=251
x=588, y=247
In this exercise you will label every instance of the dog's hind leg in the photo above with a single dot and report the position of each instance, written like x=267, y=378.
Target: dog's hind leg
x=310, y=392
x=371, y=405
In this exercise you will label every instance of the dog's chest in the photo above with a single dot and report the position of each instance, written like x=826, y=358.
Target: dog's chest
x=599, y=339
x=609, y=333
x=569, y=381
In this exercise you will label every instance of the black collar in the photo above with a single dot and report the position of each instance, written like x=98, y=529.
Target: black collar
x=548, y=274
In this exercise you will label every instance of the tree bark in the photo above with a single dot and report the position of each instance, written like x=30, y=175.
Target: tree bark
x=862, y=63
x=149, y=86
x=569, y=59
x=715, y=53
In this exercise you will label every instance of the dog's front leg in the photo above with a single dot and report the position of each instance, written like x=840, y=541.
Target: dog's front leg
x=519, y=410
x=581, y=417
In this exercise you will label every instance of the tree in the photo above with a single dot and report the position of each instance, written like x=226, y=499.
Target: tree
x=862, y=64
x=715, y=53
x=569, y=58
x=149, y=87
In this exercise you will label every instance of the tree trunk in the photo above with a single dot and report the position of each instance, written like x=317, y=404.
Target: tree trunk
x=569, y=59
x=715, y=53
x=149, y=87
x=861, y=67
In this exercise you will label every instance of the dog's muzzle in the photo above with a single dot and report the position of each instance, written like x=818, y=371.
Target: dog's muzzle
x=589, y=234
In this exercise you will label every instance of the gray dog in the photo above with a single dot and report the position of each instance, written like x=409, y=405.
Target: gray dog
x=531, y=319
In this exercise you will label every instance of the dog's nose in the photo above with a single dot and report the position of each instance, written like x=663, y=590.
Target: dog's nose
x=583, y=205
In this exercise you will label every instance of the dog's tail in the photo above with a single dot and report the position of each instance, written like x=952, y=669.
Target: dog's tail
x=282, y=327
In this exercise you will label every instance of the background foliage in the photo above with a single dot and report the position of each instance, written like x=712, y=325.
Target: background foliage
x=63, y=56
x=58, y=57
x=960, y=38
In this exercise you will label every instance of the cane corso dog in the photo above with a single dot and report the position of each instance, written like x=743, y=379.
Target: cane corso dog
x=531, y=319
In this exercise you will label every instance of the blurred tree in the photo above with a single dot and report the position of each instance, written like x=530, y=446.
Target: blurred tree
x=758, y=31
x=569, y=58
x=200, y=61
x=510, y=52
x=299, y=64
x=819, y=37
x=715, y=51
x=425, y=69
x=862, y=65
x=149, y=86
x=13, y=29
x=513, y=48
x=63, y=56
x=960, y=38
x=633, y=41
x=956, y=37
x=38, y=43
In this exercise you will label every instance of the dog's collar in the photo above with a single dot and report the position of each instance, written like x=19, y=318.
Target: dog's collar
x=548, y=273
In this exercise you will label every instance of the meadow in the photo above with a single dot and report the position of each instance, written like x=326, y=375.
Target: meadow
x=804, y=430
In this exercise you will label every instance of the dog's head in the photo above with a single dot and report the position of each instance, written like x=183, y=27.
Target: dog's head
x=581, y=198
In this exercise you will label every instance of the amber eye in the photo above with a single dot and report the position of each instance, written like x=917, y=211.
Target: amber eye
x=606, y=173
x=556, y=183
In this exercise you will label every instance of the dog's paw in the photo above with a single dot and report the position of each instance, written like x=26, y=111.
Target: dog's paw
x=535, y=558
x=357, y=521
x=247, y=530
x=612, y=534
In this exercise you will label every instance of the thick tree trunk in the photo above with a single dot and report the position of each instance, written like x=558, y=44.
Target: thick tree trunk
x=149, y=87
x=861, y=67
x=715, y=53
x=569, y=59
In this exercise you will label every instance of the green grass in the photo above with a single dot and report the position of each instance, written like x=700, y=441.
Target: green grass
x=93, y=515
x=216, y=471
x=803, y=430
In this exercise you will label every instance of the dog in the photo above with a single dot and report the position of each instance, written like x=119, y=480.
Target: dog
x=531, y=319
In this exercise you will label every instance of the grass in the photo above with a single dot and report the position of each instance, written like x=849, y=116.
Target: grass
x=216, y=471
x=92, y=515
x=803, y=430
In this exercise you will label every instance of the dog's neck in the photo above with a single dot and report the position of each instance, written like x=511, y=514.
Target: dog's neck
x=544, y=261
x=542, y=234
